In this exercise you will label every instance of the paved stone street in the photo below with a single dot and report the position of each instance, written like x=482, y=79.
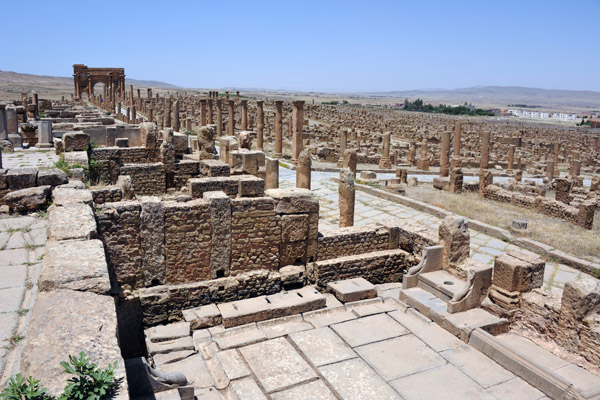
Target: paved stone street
x=371, y=209
x=22, y=241
x=370, y=349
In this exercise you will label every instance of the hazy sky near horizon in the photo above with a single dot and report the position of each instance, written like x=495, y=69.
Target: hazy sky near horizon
x=307, y=45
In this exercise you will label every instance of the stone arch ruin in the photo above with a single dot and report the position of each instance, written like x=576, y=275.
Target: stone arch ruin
x=86, y=78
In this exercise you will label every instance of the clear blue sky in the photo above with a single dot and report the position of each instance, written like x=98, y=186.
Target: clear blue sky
x=312, y=45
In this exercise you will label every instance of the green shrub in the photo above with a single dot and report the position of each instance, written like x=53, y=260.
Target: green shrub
x=88, y=383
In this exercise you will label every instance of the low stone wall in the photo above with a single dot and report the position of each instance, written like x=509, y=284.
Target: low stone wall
x=583, y=215
x=352, y=240
x=74, y=310
x=376, y=267
x=147, y=179
x=107, y=195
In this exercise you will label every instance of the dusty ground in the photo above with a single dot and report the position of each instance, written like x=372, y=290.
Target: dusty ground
x=560, y=234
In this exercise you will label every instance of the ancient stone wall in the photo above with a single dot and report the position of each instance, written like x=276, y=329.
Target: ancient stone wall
x=187, y=238
x=107, y=195
x=147, y=179
x=350, y=241
x=255, y=235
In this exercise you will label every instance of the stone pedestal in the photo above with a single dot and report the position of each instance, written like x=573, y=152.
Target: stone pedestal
x=346, y=194
x=272, y=173
x=350, y=160
x=44, y=135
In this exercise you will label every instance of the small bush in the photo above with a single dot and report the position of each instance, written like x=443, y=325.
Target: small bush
x=19, y=388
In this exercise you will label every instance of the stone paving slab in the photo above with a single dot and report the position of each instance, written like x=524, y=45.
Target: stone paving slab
x=516, y=389
x=247, y=389
x=431, y=333
x=477, y=366
x=11, y=298
x=283, y=326
x=327, y=317
x=322, y=346
x=400, y=356
x=445, y=382
x=12, y=276
x=277, y=364
x=315, y=390
x=355, y=380
x=369, y=329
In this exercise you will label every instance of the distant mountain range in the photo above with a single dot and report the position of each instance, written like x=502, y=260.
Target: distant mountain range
x=18, y=78
x=504, y=96
x=12, y=83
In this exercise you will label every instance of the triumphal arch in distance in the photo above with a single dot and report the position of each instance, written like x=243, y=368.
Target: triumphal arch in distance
x=85, y=78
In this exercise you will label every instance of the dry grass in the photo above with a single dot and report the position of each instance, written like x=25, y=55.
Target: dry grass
x=560, y=234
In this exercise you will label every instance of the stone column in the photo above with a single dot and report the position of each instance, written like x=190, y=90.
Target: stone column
x=3, y=123
x=511, y=158
x=176, y=125
x=298, y=120
x=231, y=110
x=556, y=150
x=203, y=112
x=550, y=170
x=150, y=114
x=244, y=115
x=278, y=128
x=457, y=135
x=44, y=135
x=133, y=114
x=209, y=102
x=35, y=102
x=343, y=144
x=271, y=173
x=130, y=95
x=346, y=194
x=303, y=170
x=128, y=115
x=219, y=118
x=384, y=161
x=260, y=124
x=444, y=157
x=350, y=160
x=423, y=161
x=485, y=150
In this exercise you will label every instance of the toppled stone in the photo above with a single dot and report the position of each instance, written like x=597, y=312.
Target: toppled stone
x=52, y=177
x=76, y=265
x=21, y=178
x=29, y=199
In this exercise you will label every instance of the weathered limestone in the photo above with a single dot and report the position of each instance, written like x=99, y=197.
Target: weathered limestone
x=343, y=144
x=231, y=119
x=44, y=135
x=220, y=256
x=260, y=124
x=272, y=173
x=456, y=181
x=454, y=236
x=423, y=161
x=29, y=199
x=278, y=128
x=346, y=197
x=152, y=229
x=485, y=150
x=457, y=136
x=76, y=141
x=354, y=289
x=298, y=121
x=384, y=161
x=303, y=170
x=350, y=160
x=444, y=157
x=485, y=179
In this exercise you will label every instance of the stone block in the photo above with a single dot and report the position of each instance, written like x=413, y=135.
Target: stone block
x=163, y=333
x=203, y=316
x=197, y=186
x=169, y=346
x=214, y=168
x=243, y=312
x=66, y=322
x=295, y=302
x=21, y=178
x=76, y=265
x=52, y=177
x=441, y=183
x=294, y=228
x=352, y=289
x=180, y=143
x=251, y=186
x=77, y=158
x=63, y=195
x=76, y=141
x=3, y=183
x=30, y=199
x=513, y=274
x=294, y=201
x=72, y=221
